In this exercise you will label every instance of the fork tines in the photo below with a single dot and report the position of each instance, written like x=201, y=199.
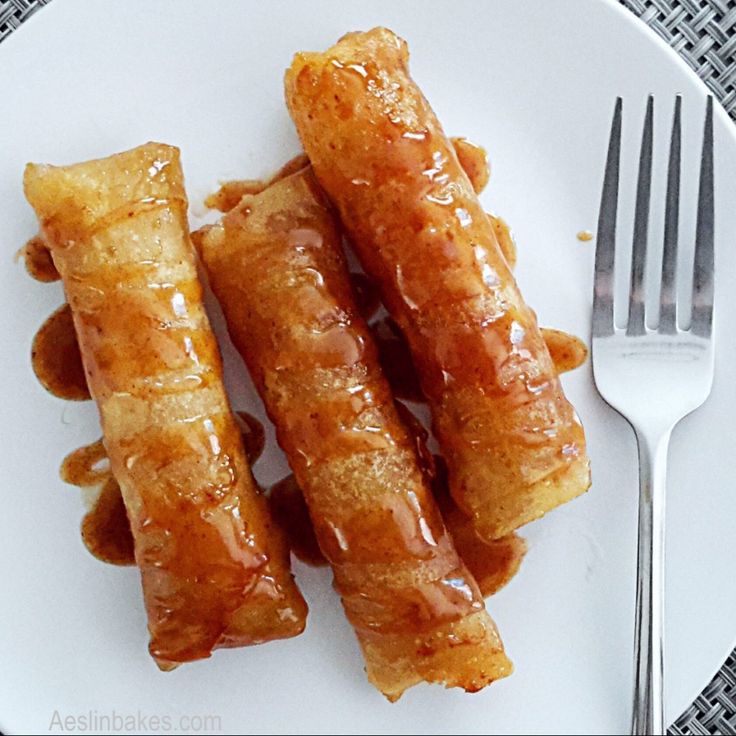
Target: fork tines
x=702, y=296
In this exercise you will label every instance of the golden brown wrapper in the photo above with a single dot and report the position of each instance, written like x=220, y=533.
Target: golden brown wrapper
x=513, y=443
x=214, y=571
x=276, y=266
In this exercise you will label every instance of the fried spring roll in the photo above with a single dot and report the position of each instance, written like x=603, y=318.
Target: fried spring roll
x=513, y=443
x=214, y=574
x=276, y=265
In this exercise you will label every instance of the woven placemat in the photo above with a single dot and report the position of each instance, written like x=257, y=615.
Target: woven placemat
x=14, y=12
x=704, y=33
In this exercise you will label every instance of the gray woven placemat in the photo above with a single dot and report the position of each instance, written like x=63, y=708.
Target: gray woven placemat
x=704, y=33
x=14, y=12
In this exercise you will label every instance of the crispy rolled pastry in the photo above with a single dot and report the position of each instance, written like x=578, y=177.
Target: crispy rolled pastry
x=214, y=574
x=276, y=265
x=514, y=446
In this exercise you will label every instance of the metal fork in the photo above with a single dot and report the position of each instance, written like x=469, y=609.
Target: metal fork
x=654, y=377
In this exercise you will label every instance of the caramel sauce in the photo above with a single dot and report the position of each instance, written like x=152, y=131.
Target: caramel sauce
x=86, y=466
x=231, y=192
x=505, y=239
x=567, y=351
x=55, y=357
x=474, y=160
x=105, y=527
x=293, y=165
x=366, y=295
x=289, y=510
x=420, y=435
x=492, y=564
x=37, y=258
x=585, y=236
x=254, y=436
x=396, y=360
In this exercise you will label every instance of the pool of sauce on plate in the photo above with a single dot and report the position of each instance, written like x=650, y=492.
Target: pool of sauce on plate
x=474, y=161
x=254, y=437
x=585, y=236
x=366, y=295
x=37, y=258
x=55, y=357
x=105, y=527
x=289, y=511
x=567, y=351
x=86, y=466
x=396, y=360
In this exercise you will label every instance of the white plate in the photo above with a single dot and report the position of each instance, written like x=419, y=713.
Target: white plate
x=535, y=83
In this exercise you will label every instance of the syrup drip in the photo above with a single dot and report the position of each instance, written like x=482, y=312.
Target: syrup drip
x=491, y=564
x=231, y=192
x=105, y=527
x=254, y=437
x=366, y=295
x=55, y=357
x=37, y=258
x=567, y=351
x=396, y=360
x=289, y=511
x=505, y=239
x=474, y=160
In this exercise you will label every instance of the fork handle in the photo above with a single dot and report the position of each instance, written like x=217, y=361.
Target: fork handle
x=648, y=716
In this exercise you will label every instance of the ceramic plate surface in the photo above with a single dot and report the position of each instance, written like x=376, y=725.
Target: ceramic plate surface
x=535, y=83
